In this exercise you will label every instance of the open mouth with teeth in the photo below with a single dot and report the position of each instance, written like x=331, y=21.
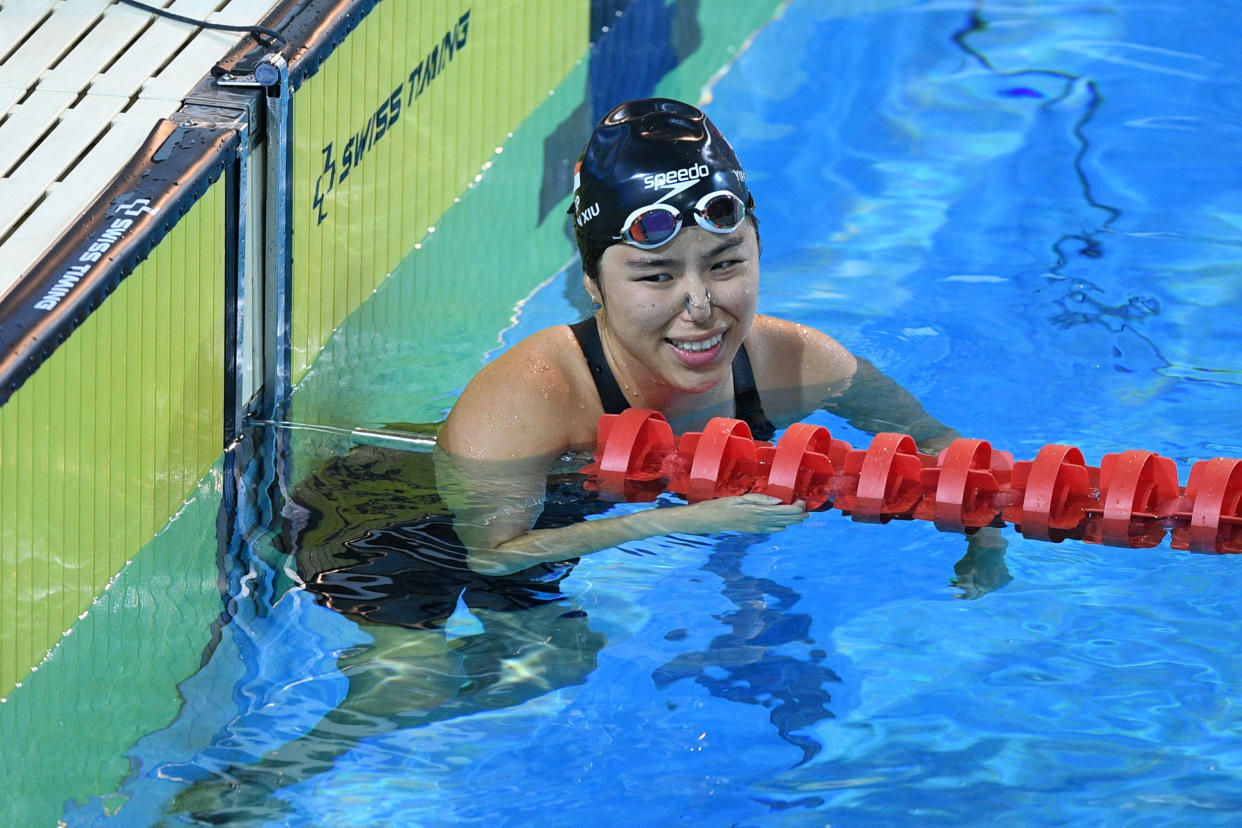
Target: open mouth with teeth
x=703, y=345
x=696, y=352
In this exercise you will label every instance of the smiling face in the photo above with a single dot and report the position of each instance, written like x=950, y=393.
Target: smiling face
x=661, y=347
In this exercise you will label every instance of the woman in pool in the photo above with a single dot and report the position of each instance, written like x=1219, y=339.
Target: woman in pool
x=669, y=241
x=670, y=250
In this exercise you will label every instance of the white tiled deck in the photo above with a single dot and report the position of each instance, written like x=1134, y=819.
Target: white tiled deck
x=82, y=82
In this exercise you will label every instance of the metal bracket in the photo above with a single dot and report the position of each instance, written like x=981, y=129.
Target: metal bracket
x=271, y=74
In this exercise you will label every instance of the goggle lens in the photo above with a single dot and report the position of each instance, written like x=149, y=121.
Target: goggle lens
x=653, y=228
x=723, y=212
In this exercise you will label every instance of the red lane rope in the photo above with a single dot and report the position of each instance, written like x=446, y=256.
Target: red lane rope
x=1132, y=498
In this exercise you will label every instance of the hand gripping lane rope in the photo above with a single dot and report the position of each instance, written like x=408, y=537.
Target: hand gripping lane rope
x=1132, y=498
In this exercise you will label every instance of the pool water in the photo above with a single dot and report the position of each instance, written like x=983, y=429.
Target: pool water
x=1030, y=214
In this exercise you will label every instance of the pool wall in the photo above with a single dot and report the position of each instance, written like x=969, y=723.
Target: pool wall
x=103, y=443
x=122, y=398
x=114, y=410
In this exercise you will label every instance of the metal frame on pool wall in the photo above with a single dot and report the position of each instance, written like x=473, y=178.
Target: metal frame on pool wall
x=212, y=135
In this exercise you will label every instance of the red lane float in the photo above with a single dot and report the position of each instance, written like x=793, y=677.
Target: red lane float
x=1132, y=498
x=719, y=461
x=1210, y=513
x=969, y=482
x=1056, y=490
x=802, y=466
x=886, y=479
x=631, y=451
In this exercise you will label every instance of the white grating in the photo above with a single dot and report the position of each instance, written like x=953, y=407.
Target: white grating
x=82, y=82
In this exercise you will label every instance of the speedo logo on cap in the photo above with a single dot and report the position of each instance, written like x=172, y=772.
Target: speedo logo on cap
x=671, y=178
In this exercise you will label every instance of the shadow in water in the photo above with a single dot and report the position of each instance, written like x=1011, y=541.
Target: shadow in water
x=752, y=663
x=758, y=661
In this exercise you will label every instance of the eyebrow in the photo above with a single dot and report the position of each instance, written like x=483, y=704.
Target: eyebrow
x=723, y=247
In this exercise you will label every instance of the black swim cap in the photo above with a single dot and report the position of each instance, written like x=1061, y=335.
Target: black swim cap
x=647, y=151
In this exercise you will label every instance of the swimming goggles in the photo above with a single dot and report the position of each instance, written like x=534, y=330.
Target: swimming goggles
x=651, y=226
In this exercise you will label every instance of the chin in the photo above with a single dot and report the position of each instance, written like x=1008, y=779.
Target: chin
x=695, y=383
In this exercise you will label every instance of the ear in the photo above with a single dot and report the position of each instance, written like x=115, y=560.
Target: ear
x=592, y=289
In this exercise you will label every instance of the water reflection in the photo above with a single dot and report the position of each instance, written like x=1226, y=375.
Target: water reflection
x=415, y=637
x=368, y=536
x=753, y=663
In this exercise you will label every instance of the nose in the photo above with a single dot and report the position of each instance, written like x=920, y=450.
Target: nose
x=699, y=311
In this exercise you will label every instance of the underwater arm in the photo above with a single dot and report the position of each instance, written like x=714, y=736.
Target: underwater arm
x=506, y=433
x=495, y=505
x=874, y=402
x=852, y=388
x=745, y=513
x=824, y=374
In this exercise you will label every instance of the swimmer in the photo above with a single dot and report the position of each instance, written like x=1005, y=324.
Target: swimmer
x=667, y=230
x=669, y=240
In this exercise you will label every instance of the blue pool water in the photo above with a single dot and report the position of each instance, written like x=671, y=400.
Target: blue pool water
x=1030, y=214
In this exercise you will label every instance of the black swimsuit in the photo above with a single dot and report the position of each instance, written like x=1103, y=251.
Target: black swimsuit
x=746, y=403
x=411, y=571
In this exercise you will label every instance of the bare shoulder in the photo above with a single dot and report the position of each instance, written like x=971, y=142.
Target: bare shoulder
x=786, y=354
x=527, y=402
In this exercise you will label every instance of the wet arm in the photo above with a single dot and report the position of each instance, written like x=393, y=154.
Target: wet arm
x=828, y=376
x=874, y=402
x=495, y=505
x=492, y=461
x=489, y=552
x=746, y=513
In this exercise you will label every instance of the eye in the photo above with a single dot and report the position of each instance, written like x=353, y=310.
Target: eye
x=655, y=277
x=726, y=264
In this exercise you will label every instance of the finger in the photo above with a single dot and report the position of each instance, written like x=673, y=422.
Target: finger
x=785, y=515
x=762, y=499
x=798, y=508
x=784, y=509
x=776, y=525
